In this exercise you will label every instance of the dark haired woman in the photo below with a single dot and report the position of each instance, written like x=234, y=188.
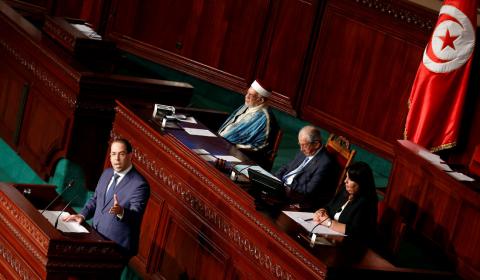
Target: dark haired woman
x=353, y=210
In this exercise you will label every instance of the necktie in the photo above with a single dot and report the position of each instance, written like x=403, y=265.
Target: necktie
x=111, y=188
x=296, y=170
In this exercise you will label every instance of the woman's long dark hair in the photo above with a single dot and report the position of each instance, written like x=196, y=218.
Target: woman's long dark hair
x=361, y=173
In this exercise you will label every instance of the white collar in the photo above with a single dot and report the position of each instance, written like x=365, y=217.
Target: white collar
x=123, y=172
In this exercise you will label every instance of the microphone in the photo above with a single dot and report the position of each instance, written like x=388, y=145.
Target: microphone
x=314, y=236
x=69, y=185
x=61, y=212
x=233, y=175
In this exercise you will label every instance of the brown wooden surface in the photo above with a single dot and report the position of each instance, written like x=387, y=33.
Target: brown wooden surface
x=344, y=65
x=200, y=224
x=444, y=210
x=227, y=43
x=31, y=248
x=360, y=81
x=56, y=106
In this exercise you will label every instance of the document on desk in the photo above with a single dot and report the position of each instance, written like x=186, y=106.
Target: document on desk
x=460, y=176
x=305, y=219
x=54, y=216
x=199, y=132
x=228, y=158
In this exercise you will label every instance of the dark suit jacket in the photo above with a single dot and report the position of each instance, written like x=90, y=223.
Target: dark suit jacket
x=132, y=193
x=359, y=216
x=315, y=184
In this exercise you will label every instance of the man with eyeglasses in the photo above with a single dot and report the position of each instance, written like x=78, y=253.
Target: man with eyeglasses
x=119, y=201
x=310, y=179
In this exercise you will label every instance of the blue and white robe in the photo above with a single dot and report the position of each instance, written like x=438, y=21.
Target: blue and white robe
x=249, y=128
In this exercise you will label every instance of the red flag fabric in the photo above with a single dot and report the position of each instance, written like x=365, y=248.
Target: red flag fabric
x=438, y=92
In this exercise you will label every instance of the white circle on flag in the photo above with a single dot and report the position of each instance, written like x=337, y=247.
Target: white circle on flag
x=441, y=58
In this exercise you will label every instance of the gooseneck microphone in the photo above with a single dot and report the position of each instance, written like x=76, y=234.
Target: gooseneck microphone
x=313, y=235
x=321, y=222
x=63, y=210
x=69, y=185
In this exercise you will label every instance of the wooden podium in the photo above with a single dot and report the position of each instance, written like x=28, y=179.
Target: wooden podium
x=31, y=248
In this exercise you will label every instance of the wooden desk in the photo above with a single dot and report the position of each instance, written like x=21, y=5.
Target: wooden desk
x=31, y=248
x=444, y=210
x=199, y=224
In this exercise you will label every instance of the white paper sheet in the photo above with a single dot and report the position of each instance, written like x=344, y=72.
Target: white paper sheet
x=201, y=151
x=51, y=216
x=208, y=157
x=460, y=176
x=433, y=158
x=199, y=132
x=228, y=158
x=444, y=167
x=304, y=219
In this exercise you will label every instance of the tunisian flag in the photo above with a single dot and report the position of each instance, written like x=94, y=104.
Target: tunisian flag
x=438, y=92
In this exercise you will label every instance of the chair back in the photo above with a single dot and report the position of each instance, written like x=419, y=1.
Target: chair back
x=474, y=166
x=276, y=144
x=339, y=148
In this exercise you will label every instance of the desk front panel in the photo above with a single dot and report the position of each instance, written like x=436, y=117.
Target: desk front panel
x=444, y=210
x=198, y=223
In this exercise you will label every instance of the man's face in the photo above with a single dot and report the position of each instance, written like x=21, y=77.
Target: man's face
x=308, y=148
x=119, y=157
x=252, y=98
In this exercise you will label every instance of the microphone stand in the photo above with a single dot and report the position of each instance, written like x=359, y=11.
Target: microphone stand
x=69, y=185
x=61, y=212
x=314, y=236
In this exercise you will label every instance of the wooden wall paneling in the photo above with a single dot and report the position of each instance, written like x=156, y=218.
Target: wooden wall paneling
x=218, y=42
x=285, y=49
x=122, y=17
x=465, y=240
x=95, y=12
x=151, y=230
x=68, y=96
x=47, y=135
x=14, y=89
x=31, y=7
x=440, y=208
x=360, y=78
x=189, y=252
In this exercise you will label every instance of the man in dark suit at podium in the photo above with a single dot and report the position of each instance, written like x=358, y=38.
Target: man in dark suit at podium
x=119, y=201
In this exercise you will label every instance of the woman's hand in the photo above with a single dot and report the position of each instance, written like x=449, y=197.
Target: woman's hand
x=320, y=215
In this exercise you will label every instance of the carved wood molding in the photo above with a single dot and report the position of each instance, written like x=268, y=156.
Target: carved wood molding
x=26, y=224
x=38, y=72
x=209, y=213
x=62, y=266
x=23, y=271
x=392, y=9
x=66, y=37
x=76, y=249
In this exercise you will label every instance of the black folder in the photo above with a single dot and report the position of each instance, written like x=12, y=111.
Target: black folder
x=267, y=184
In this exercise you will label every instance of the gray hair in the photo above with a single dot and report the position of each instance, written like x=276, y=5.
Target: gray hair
x=312, y=132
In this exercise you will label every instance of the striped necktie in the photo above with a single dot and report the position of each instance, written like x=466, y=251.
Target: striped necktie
x=296, y=170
